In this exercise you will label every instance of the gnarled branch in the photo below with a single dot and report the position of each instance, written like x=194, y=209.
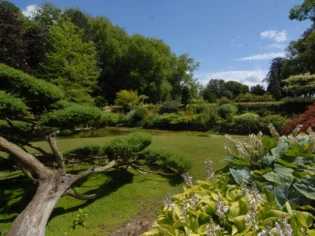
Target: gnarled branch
x=25, y=159
x=93, y=170
x=77, y=195
x=57, y=154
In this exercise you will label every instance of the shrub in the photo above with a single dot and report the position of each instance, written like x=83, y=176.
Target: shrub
x=247, y=123
x=169, y=107
x=126, y=147
x=306, y=119
x=100, y=101
x=223, y=100
x=127, y=99
x=227, y=111
x=165, y=160
x=135, y=116
x=109, y=119
x=277, y=121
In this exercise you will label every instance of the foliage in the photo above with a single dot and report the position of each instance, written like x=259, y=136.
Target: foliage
x=127, y=99
x=85, y=151
x=185, y=96
x=165, y=160
x=216, y=86
x=277, y=120
x=264, y=190
x=257, y=90
x=127, y=147
x=248, y=97
x=71, y=63
x=38, y=94
x=305, y=120
x=227, y=111
x=235, y=88
x=100, y=101
x=135, y=116
x=275, y=78
x=247, y=123
x=72, y=116
x=169, y=107
x=80, y=219
x=303, y=84
x=303, y=11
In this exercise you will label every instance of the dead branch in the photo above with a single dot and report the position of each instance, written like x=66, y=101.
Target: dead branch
x=145, y=171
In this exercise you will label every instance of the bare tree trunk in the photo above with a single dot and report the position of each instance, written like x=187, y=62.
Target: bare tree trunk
x=33, y=219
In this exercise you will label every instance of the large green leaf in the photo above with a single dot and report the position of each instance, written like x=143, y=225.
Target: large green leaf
x=278, y=149
x=268, y=142
x=306, y=186
x=280, y=175
x=240, y=174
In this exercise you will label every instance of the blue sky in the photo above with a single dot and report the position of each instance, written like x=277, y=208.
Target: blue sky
x=232, y=39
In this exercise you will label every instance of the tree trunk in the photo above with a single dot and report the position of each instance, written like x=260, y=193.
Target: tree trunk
x=33, y=219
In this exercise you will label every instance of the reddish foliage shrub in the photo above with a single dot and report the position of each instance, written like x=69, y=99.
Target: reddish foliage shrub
x=306, y=119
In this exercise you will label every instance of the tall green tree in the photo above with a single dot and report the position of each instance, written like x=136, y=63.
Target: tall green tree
x=275, y=78
x=71, y=63
x=257, y=89
x=183, y=68
x=303, y=11
x=216, y=87
x=236, y=88
x=302, y=84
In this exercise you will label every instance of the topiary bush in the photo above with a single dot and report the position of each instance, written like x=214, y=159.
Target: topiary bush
x=227, y=111
x=246, y=123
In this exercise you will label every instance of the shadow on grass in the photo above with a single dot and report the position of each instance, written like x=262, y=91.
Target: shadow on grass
x=115, y=180
x=15, y=194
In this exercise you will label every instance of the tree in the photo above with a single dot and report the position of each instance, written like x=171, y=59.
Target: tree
x=13, y=48
x=71, y=63
x=303, y=11
x=257, y=89
x=216, y=86
x=37, y=108
x=185, y=98
x=183, y=67
x=302, y=84
x=275, y=79
x=236, y=88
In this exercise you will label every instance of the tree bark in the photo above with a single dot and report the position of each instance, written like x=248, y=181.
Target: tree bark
x=32, y=221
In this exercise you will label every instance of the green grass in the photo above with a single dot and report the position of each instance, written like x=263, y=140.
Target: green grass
x=122, y=195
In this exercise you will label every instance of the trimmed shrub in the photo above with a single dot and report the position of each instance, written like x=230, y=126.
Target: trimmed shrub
x=126, y=147
x=227, y=111
x=166, y=161
x=247, y=123
x=249, y=97
x=278, y=122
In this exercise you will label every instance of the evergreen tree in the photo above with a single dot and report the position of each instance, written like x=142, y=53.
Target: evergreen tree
x=71, y=63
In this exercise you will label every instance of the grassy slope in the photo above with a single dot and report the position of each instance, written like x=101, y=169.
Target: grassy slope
x=121, y=196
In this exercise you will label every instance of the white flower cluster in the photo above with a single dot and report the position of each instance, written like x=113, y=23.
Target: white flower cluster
x=187, y=179
x=221, y=209
x=210, y=171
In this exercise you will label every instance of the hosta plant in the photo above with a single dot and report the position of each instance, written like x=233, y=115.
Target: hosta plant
x=266, y=188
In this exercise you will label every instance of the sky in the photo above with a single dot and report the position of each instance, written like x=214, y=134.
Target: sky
x=232, y=39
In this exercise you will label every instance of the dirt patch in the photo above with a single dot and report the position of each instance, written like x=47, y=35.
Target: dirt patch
x=137, y=226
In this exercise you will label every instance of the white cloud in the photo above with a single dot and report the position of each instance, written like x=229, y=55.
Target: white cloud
x=248, y=77
x=28, y=12
x=278, y=36
x=264, y=56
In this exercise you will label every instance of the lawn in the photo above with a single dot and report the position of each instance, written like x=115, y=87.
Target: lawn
x=121, y=196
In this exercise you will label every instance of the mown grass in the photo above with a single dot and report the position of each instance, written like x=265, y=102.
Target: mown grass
x=121, y=195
